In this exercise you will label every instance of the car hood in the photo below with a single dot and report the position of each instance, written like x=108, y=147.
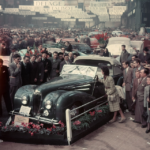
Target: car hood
x=62, y=83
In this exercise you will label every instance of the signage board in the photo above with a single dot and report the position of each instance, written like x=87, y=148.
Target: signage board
x=39, y=18
x=49, y=3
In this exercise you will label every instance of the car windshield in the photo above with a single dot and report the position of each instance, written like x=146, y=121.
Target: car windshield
x=98, y=64
x=79, y=70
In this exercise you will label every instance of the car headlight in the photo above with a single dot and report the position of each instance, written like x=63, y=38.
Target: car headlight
x=24, y=100
x=48, y=104
x=45, y=113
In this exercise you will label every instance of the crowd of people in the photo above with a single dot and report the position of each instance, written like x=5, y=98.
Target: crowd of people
x=39, y=67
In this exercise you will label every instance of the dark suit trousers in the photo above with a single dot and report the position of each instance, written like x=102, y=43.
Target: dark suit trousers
x=139, y=109
x=13, y=90
x=7, y=101
x=129, y=99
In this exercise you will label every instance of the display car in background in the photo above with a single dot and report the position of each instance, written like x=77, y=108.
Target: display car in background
x=81, y=47
x=114, y=46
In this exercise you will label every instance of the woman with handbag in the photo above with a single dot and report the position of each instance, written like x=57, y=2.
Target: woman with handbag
x=112, y=95
x=146, y=114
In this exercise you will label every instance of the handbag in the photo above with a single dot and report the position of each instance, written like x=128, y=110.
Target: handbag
x=112, y=97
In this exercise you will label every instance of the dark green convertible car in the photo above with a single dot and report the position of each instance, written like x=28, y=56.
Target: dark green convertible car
x=74, y=87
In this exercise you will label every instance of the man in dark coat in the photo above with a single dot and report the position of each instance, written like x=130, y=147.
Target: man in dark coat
x=145, y=56
x=4, y=87
x=55, y=65
x=66, y=61
x=124, y=55
x=15, y=76
x=127, y=81
x=40, y=77
x=25, y=71
x=47, y=65
x=34, y=70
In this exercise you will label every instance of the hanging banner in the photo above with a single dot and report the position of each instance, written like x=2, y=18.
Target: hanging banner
x=26, y=7
x=101, y=4
x=26, y=13
x=115, y=16
x=11, y=10
x=39, y=18
x=85, y=20
x=115, y=20
x=68, y=19
x=49, y=3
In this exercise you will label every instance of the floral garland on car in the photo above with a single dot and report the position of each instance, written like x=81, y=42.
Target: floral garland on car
x=84, y=121
x=32, y=128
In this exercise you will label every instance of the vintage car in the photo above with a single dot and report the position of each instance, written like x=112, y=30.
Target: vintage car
x=48, y=102
x=114, y=66
x=115, y=43
x=82, y=47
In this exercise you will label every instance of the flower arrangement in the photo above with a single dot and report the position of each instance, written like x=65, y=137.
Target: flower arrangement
x=84, y=121
x=101, y=38
x=32, y=128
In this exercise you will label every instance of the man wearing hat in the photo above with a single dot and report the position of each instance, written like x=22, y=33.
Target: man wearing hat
x=66, y=61
x=47, y=65
x=145, y=56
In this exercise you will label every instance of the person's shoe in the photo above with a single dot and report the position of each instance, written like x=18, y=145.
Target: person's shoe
x=136, y=122
x=144, y=126
x=147, y=131
x=111, y=121
x=122, y=120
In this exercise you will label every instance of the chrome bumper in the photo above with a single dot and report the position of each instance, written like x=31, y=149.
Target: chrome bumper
x=37, y=118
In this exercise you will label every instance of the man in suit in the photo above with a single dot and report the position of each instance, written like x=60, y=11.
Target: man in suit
x=124, y=55
x=15, y=76
x=138, y=67
x=4, y=87
x=127, y=81
x=145, y=56
x=34, y=70
x=47, y=65
x=25, y=71
x=66, y=61
x=139, y=108
x=61, y=56
x=40, y=77
x=55, y=65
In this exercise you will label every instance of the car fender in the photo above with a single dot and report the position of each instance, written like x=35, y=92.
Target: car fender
x=66, y=100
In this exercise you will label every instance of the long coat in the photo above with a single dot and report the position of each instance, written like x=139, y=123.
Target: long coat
x=4, y=79
x=127, y=78
x=111, y=89
x=25, y=73
x=134, y=89
x=139, y=108
x=40, y=72
x=47, y=66
x=55, y=66
x=146, y=103
x=34, y=72
x=15, y=75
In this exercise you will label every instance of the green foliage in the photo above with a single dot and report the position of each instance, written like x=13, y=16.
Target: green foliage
x=84, y=121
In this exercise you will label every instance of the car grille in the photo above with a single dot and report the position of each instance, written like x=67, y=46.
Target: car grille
x=36, y=103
